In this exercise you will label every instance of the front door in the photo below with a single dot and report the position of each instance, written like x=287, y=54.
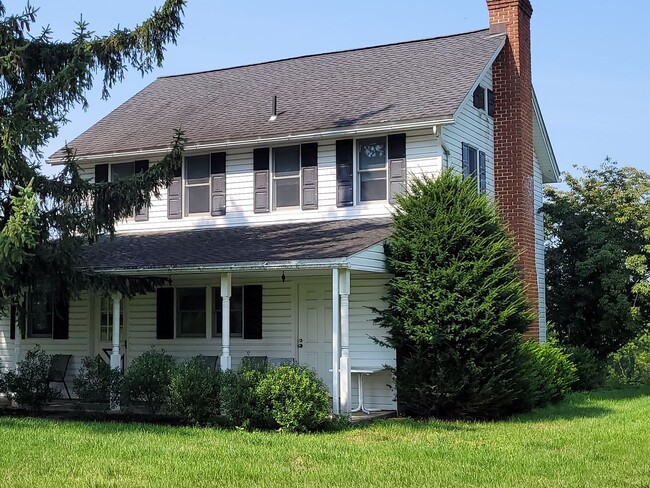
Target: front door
x=104, y=329
x=315, y=329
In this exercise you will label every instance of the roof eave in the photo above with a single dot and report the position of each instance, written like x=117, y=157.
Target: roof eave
x=332, y=133
x=543, y=147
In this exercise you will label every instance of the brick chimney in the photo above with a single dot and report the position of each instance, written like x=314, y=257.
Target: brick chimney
x=513, y=136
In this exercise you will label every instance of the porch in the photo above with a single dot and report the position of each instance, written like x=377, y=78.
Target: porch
x=308, y=300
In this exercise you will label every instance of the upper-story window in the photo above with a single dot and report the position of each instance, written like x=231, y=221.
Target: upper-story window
x=286, y=176
x=474, y=166
x=197, y=184
x=372, y=159
x=122, y=171
x=483, y=99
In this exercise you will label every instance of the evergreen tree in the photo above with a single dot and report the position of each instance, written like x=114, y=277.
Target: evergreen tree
x=45, y=221
x=456, y=307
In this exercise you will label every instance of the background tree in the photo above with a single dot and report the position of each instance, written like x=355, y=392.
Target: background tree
x=44, y=221
x=456, y=307
x=597, y=250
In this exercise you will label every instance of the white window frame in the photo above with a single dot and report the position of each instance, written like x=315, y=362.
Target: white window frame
x=112, y=169
x=274, y=178
x=109, y=312
x=177, y=324
x=187, y=185
x=356, y=177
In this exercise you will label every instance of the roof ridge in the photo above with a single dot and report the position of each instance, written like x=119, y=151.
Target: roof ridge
x=413, y=41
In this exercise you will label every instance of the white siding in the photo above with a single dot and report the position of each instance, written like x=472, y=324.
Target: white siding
x=78, y=343
x=6, y=344
x=367, y=290
x=423, y=154
x=472, y=126
x=370, y=259
x=538, y=193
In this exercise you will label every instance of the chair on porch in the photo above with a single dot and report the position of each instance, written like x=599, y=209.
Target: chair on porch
x=58, y=370
x=254, y=361
x=211, y=362
x=281, y=361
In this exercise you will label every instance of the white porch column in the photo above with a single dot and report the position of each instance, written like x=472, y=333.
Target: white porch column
x=116, y=356
x=18, y=344
x=345, y=376
x=335, y=341
x=226, y=291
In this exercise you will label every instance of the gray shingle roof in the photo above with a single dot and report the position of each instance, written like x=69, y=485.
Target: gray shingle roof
x=231, y=245
x=407, y=81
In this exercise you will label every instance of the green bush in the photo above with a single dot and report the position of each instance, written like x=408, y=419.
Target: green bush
x=194, y=391
x=97, y=382
x=590, y=370
x=298, y=398
x=630, y=365
x=548, y=373
x=240, y=402
x=456, y=306
x=29, y=386
x=147, y=379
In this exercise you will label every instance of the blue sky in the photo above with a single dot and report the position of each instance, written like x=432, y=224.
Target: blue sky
x=590, y=58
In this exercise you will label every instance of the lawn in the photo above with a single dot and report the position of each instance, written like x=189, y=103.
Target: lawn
x=598, y=439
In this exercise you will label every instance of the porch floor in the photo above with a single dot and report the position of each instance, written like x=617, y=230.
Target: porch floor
x=64, y=408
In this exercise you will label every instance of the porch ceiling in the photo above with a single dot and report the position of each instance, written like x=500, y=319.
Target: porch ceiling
x=267, y=245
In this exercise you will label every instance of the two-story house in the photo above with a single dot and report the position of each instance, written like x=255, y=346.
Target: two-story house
x=272, y=232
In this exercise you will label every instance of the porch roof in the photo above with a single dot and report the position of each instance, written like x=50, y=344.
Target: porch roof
x=295, y=244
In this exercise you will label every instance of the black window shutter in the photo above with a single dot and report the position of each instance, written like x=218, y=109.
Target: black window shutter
x=466, y=169
x=253, y=312
x=101, y=173
x=490, y=109
x=12, y=322
x=396, y=166
x=344, y=189
x=261, y=180
x=141, y=214
x=479, y=97
x=309, y=169
x=61, y=322
x=174, y=199
x=482, y=172
x=165, y=313
x=218, y=183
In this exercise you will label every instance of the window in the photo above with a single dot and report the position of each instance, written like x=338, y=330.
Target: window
x=236, y=312
x=40, y=316
x=479, y=97
x=197, y=183
x=474, y=166
x=372, y=157
x=122, y=171
x=490, y=103
x=106, y=320
x=190, y=312
x=286, y=176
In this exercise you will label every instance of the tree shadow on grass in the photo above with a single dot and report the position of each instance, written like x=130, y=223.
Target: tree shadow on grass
x=581, y=405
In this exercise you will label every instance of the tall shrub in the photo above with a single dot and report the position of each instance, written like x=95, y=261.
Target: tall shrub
x=29, y=386
x=148, y=378
x=455, y=307
x=194, y=391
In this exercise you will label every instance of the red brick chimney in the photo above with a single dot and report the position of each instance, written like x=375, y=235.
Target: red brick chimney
x=513, y=135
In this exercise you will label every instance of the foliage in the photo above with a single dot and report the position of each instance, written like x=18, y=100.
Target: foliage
x=630, y=365
x=549, y=373
x=597, y=250
x=590, y=371
x=97, y=382
x=599, y=439
x=29, y=385
x=194, y=391
x=240, y=402
x=298, y=398
x=44, y=221
x=455, y=307
x=148, y=379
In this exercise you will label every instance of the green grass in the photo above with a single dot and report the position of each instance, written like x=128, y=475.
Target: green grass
x=598, y=439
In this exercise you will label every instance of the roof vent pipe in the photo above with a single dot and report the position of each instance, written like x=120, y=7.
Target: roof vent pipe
x=274, y=108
